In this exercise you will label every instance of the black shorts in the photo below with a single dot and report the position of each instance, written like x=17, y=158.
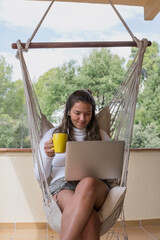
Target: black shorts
x=61, y=184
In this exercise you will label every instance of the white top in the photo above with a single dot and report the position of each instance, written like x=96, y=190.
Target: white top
x=55, y=166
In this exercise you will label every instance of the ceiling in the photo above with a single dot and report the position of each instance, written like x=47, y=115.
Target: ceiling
x=151, y=7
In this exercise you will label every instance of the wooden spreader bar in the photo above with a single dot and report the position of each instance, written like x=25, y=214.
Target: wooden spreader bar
x=79, y=44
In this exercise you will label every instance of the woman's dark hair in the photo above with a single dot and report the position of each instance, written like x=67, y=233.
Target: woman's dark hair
x=92, y=130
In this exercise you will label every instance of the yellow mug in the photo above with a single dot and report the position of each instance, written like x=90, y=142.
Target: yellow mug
x=59, y=142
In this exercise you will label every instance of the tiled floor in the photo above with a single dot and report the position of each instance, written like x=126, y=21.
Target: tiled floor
x=134, y=233
x=137, y=233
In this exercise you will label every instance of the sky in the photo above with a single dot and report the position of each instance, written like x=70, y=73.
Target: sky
x=67, y=22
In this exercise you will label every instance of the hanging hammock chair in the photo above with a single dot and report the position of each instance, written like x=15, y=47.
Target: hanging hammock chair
x=116, y=118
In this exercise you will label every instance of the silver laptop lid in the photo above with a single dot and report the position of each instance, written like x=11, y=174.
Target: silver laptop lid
x=101, y=159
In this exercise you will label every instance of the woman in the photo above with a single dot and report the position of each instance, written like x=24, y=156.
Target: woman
x=79, y=201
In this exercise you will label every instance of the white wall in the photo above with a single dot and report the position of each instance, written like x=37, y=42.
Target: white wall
x=143, y=194
x=21, y=200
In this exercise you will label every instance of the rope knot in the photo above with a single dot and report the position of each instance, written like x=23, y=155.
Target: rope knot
x=18, y=47
x=145, y=43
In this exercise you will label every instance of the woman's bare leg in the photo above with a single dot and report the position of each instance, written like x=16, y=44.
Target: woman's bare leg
x=78, y=209
x=91, y=230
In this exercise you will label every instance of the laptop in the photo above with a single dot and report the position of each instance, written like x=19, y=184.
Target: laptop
x=100, y=159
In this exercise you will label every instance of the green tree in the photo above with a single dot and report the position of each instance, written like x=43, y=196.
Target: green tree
x=17, y=110
x=14, y=101
x=13, y=133
x=148, y=111
x=5, y=84
x=54, y=87
x=102, y=72
x=16, y=125
x=13, y=119
x=6, y=131
x=147, y=137
x=148, y=102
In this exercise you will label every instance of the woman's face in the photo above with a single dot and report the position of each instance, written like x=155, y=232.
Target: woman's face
x=81, y=114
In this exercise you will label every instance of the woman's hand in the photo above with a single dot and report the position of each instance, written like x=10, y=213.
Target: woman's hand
x=48, y=148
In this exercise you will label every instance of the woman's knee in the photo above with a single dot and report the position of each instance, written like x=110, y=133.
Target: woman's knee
x=92, y=190
x=87, y=186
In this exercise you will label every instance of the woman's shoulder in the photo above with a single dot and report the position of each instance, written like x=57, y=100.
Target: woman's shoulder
x=104, y=135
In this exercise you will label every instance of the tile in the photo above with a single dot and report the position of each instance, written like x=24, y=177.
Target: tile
x=6, y=234
x=119, y=230
x=129, y=223
x=26, y=225
x=153, y=230
x=7, y=226
x=132, y=223
x=150, y=222
x=134, y=233
x=30, y=234
x=156, y=235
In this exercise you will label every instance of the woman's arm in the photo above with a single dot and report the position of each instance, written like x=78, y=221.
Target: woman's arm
x=47, y=154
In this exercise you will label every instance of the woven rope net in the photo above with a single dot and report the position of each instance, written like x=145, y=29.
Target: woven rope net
x=116, y=118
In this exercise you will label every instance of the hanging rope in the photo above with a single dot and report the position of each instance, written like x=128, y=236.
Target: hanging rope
x=45, y=14
x=38, y=26
x=123, y=22
x=28, y=44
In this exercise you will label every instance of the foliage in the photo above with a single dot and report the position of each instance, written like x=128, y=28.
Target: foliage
x=54, y=87
x=148, y=111
x=13, y=133
x=5, y=76
x=102, y=72
x=147, y=137
x=13, y=119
